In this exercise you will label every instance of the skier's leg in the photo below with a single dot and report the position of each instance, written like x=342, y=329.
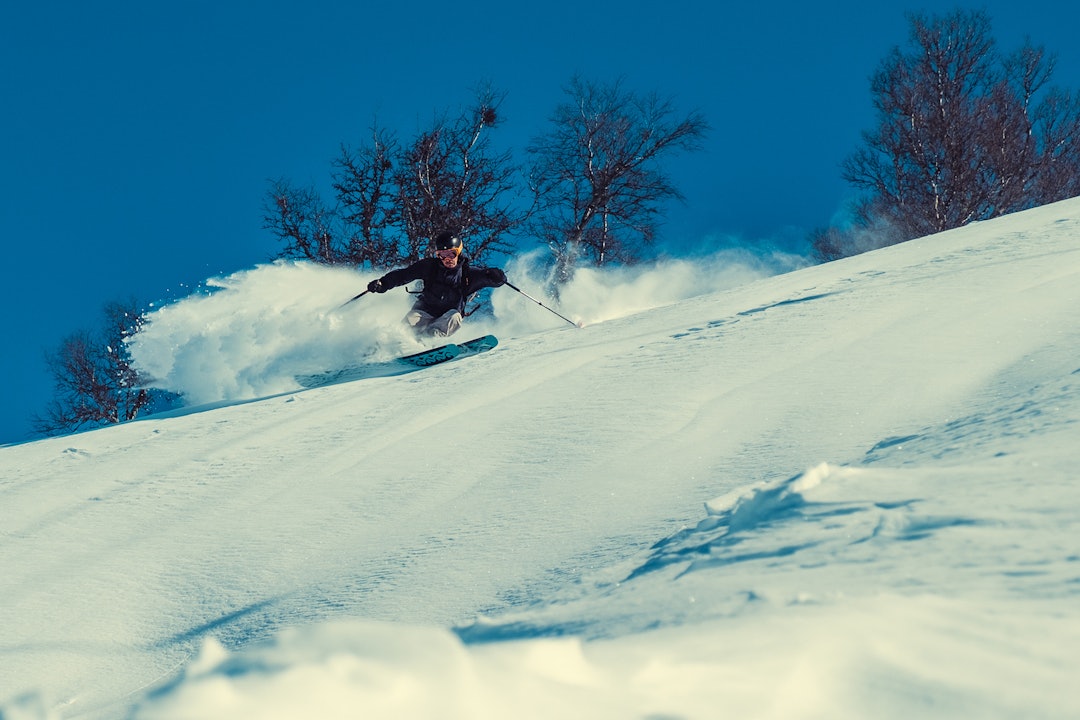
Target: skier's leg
x=419, y=320
x=446, y=324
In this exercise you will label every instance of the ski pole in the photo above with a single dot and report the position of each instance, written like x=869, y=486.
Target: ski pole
x=354, y=297
x=514, y=287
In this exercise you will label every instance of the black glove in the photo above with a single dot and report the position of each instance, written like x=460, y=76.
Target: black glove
x=376, y=286
x=499, y=276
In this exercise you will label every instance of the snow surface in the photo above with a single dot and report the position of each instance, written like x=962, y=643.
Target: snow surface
x=843, y=491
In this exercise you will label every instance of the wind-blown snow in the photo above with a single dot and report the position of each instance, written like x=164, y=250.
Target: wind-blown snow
x=253, y=331
x=845, y=491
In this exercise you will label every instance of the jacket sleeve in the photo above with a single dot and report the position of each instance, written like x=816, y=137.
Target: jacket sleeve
x=396, y=278
x=482, y=277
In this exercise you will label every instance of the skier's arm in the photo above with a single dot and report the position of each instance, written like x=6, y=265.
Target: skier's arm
x=396, y=278
x=481, y=277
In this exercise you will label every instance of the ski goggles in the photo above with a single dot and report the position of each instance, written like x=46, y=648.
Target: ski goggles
x=447, y=253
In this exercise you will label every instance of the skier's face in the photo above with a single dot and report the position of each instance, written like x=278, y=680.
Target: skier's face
x=447, y=257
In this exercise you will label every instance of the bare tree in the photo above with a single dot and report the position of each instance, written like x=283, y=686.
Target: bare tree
x=962, y=135
x=392, y=198
x=365, y=190
x=95, y=383
x=359, y=229
x=597, y=174
x=452, y=179
x=300, y=219
x=1057, y=124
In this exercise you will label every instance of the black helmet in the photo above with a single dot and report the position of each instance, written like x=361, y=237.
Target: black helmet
x=446, y=240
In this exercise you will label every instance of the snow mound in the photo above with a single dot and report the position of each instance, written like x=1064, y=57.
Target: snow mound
x=882, y=657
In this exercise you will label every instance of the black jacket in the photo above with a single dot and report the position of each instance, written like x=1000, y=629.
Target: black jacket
x=444, y=288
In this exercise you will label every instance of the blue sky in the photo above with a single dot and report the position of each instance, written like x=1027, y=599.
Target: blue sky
x=138, y=139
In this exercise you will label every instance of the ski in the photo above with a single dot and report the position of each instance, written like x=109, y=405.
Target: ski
x=434, y=356
x=478, y=345
x=401, y=365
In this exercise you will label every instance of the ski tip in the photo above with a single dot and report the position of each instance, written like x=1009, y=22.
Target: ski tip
x=483, y=339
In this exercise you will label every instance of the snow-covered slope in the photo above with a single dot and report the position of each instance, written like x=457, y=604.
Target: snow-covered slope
x=845, y=491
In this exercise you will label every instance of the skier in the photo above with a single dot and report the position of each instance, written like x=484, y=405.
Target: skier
x=449, y=282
